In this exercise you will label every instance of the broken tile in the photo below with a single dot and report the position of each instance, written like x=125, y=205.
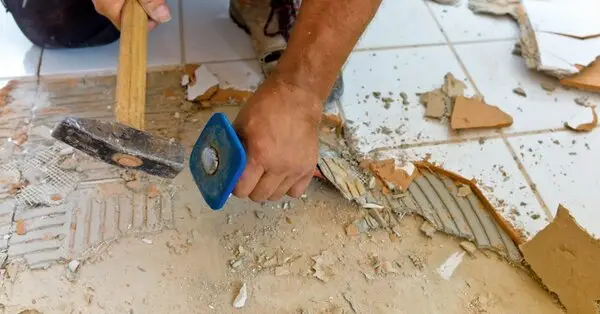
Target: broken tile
x=393, y=176
x=383, y=71
x=470, y=113
x=540, y=110
x=427, y=229
x=564, y=256
x=587, y=79
x=203, y=85
x=583, y=122
x=242, y=296
x=449, y=266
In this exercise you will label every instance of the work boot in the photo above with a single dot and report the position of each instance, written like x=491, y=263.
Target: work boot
x=269, y=23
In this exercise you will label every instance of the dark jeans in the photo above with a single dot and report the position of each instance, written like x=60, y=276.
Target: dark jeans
x=62, y=23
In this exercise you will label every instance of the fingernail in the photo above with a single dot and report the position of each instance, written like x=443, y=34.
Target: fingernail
x=161, y=14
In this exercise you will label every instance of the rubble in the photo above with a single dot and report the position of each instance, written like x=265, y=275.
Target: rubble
x=469, y=247
x=72, y=270
x=241, y=298
x=439, y=102
x=323, y=266
x=519, y=91
x=584, y=101
x=548, y=87
x=449, y=266
x=427, y=229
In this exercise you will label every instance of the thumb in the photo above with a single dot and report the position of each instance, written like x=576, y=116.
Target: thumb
x=157, y=10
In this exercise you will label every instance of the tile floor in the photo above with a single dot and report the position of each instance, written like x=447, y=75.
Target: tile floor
x=527, y=169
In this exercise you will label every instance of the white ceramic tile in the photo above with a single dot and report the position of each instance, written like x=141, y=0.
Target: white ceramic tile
x=496, y=72
x=411, y=70
x=565, y=169
x=18, y=56
x=462, y=24
x=244, y=75
x=401, y=23
x=164, y=48
x=492, y=166
x=210, y=35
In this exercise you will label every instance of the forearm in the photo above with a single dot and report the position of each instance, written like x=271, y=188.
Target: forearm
x=324, y=34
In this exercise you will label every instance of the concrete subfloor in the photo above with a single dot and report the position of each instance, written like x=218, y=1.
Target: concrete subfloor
x=188, y=269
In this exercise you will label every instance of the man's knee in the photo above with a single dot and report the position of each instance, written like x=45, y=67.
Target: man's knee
x=62, y=23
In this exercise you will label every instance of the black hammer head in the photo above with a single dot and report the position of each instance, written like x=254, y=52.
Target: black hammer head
x=122, y=146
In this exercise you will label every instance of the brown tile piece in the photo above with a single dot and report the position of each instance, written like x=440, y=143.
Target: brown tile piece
x=587, y=79
x=470, y=113
x=565, y=257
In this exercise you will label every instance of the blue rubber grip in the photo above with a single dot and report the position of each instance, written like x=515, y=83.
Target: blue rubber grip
x=220, y=135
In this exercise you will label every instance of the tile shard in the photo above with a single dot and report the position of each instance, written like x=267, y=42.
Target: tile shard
x=587, y=79
x=583, y=122
x=439, y=102
x=470, y=113
x=203, y=87
x=565, y=257
x=393, y=176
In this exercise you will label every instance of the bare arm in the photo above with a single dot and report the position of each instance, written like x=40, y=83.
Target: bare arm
x=279, y=124
x=324, y=35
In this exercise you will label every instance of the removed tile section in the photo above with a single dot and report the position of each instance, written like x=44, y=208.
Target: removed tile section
x=583, y=122
x=471, y=113
x=434, y=195
x=565, y=257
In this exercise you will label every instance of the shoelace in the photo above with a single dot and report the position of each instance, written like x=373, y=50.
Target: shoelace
x=286, y=16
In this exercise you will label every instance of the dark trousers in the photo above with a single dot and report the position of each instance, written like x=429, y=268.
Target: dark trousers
x=62, y=23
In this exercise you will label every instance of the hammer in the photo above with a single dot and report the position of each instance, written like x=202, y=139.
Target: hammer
x=124, y=143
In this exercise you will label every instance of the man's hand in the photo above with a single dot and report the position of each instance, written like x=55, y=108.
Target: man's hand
x=157, y=11
x=278, y=127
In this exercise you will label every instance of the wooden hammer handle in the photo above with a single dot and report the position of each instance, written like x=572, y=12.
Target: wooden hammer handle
x=131, y=75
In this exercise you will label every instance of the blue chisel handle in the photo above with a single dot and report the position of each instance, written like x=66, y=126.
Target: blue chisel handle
x=217, y=180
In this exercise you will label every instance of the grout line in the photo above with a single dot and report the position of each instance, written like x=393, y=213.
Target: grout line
x=448, y=42
x=181, y=33
x=399, y=47
x=529, y=180
x=503, y=136
x=484, y=41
